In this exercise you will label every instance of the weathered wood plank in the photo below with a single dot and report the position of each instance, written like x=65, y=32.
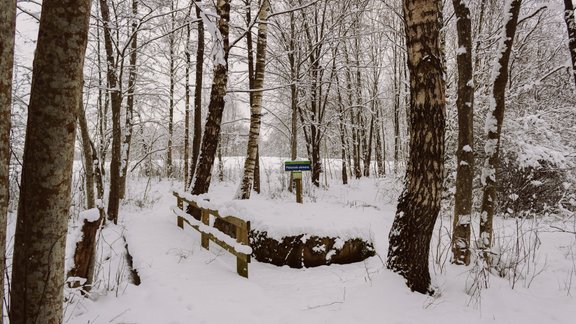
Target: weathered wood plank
x=205, y=218
x=242, y=230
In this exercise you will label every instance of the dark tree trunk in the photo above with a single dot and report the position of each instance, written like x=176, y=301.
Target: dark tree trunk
x=187, y=105
x=494, y=122
x=368, y=152
x=197, y=140
x=171, y=40
x=7, y=34
x=43, y=210
x=87, y=156
x=465, y=154
x=419, y=203
x=129, y=123
x=116, y=101
x=211, y=136
x=571, y=27
x=343, y=142
x=379, y=151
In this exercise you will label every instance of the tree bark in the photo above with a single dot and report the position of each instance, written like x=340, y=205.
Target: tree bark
x=7, y=34
x=43, y=210
x=116, y=102
x=419, y=203
x=256, y=105
x=87, y=156
x=465, y=154
x=215, y=107
x=196, y=141
x=570, y=21
x=493, y=128
x=171, y=40
x=187, y=105
x=129, y=122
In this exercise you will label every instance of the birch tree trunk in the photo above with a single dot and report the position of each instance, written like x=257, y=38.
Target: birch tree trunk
x=43, y=210
x=256, y=105
x=7, y=34
x=571, y=27
x=211, y=136
x=419, y=203
x=465, y=154
x=493, y=127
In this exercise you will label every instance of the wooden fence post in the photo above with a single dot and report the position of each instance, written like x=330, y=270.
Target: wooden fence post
x=242, y=259
x=179, y=219
x=205, y=217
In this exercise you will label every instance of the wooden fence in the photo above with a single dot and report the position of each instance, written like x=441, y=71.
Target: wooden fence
x=240, y=247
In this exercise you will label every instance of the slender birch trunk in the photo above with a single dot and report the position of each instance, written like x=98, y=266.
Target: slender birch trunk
x=256, y=106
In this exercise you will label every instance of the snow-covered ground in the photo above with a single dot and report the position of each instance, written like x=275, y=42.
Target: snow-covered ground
x=183, y=283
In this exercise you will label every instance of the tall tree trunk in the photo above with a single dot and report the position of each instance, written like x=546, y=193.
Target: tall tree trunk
x=355, y=139
x=129, y=123
x=171, y=39
x=571, y=27
x=216, y=106
x=256, y=105
x=116, y=101
x=493, y=128
x=87, y=156
x=378, y=150
x=196, y=141
x=419, y=203
x=368, y=152
x=7, y=34
x=465, y=154
x=343, y=142
x=85, y=249
x=294, y=75
x=43, y=210
x=397, y=86
x=187, y=105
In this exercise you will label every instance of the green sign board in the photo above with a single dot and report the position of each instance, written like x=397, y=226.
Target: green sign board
x=297, y=166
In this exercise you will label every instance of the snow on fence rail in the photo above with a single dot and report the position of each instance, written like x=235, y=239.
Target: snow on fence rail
x=240, y=247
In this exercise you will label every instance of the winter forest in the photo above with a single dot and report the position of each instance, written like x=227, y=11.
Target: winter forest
x=287, y=161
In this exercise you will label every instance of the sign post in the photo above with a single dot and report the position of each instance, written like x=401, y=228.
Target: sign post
x=296, y=168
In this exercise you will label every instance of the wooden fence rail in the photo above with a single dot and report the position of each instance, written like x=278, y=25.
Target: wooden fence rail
x=240, y=247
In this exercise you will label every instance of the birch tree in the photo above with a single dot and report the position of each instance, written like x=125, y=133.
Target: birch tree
x=38, y=263
x=419, y=203
x=255, y=105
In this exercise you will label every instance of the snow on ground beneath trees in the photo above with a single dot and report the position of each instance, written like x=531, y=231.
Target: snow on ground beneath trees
x=183, y=283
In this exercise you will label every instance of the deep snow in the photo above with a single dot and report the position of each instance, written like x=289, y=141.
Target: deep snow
x=183, y=283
